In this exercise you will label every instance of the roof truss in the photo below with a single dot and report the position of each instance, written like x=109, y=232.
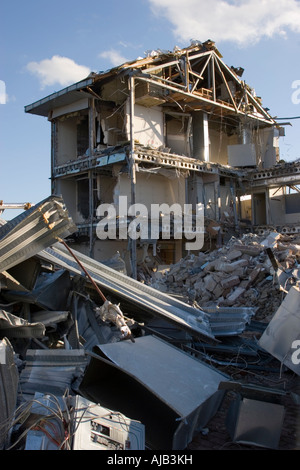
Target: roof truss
x=193, y=81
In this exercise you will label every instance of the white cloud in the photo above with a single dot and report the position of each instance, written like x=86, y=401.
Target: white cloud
x=114, y=57
x=241, y=21
x=58, y=70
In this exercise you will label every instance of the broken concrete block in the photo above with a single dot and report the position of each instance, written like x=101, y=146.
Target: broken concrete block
x=210, y=266
x=209, y=283
x=235, y=295
x=271, y=239
x=230, y=281
x=252, y=250
x=218, y=291
x=233, y=254
x=231, y=267
x=199, y=286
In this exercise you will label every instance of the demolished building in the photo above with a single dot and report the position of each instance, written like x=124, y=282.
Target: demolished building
x=176, y=127
x=191, y=358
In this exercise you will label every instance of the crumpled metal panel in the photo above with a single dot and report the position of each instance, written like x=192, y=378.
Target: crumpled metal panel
x=134, y=292
x=170, y=392
x=33, y=230
x=12, y=326
x=229, y=321
x=9, y=379
x=52, y=371
x=51, y=291
x=281, y=338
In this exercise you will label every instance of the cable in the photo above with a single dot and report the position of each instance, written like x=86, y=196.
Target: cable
x=295, y=117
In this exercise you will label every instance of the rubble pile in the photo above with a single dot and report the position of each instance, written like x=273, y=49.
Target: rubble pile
x=244, y=272
x=84, y=348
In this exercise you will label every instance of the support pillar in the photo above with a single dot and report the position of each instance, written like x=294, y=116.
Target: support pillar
x=132, y=174
x=200, y=136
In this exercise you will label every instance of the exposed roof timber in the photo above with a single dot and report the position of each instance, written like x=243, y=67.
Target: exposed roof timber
x=175, y=62
x=173, y=87
x=216, y=63
x=249, y=95
x=226, y=84
x=182, y=64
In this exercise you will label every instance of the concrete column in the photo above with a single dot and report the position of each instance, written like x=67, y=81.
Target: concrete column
x=200, y=136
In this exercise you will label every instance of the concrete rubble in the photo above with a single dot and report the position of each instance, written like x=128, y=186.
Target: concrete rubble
x=239, y=274
x=79, y=339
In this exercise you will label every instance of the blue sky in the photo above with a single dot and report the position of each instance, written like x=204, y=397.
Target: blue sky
x=46, y=46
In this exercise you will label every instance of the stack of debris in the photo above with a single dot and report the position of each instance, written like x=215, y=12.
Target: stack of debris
x=71, y=361
x=253, y=271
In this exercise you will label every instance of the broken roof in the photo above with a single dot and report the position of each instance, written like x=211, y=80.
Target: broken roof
x=190, y=78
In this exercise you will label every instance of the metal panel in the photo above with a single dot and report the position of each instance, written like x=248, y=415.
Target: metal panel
x=283, y=332
x=9, y=379
x=12, y=326
x=228, y=321
x=255, y=422
x=51, y=371
x=51, y=291
x=34, y=230
x=169, y=391
x=147, y=298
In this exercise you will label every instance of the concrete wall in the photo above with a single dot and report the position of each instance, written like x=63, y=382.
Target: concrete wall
x=66, y=140
x=285, y=209
x=153, y=189
x=149, y=126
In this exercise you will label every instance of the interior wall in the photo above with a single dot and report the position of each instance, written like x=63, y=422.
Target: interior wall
x=218, y=147
x=66, y=135
x=149, y=126
x=153, y=189
x=176, y=136
x=67, y=188
x=285, y=209
x=267, y=147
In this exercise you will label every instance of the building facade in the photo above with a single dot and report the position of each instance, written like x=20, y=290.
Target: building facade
x=176, y=127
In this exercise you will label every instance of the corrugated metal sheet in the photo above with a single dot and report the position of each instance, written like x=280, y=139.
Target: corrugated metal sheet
x=51, y=371
x=228, y=321
x=34, y=230
x=145, y=297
